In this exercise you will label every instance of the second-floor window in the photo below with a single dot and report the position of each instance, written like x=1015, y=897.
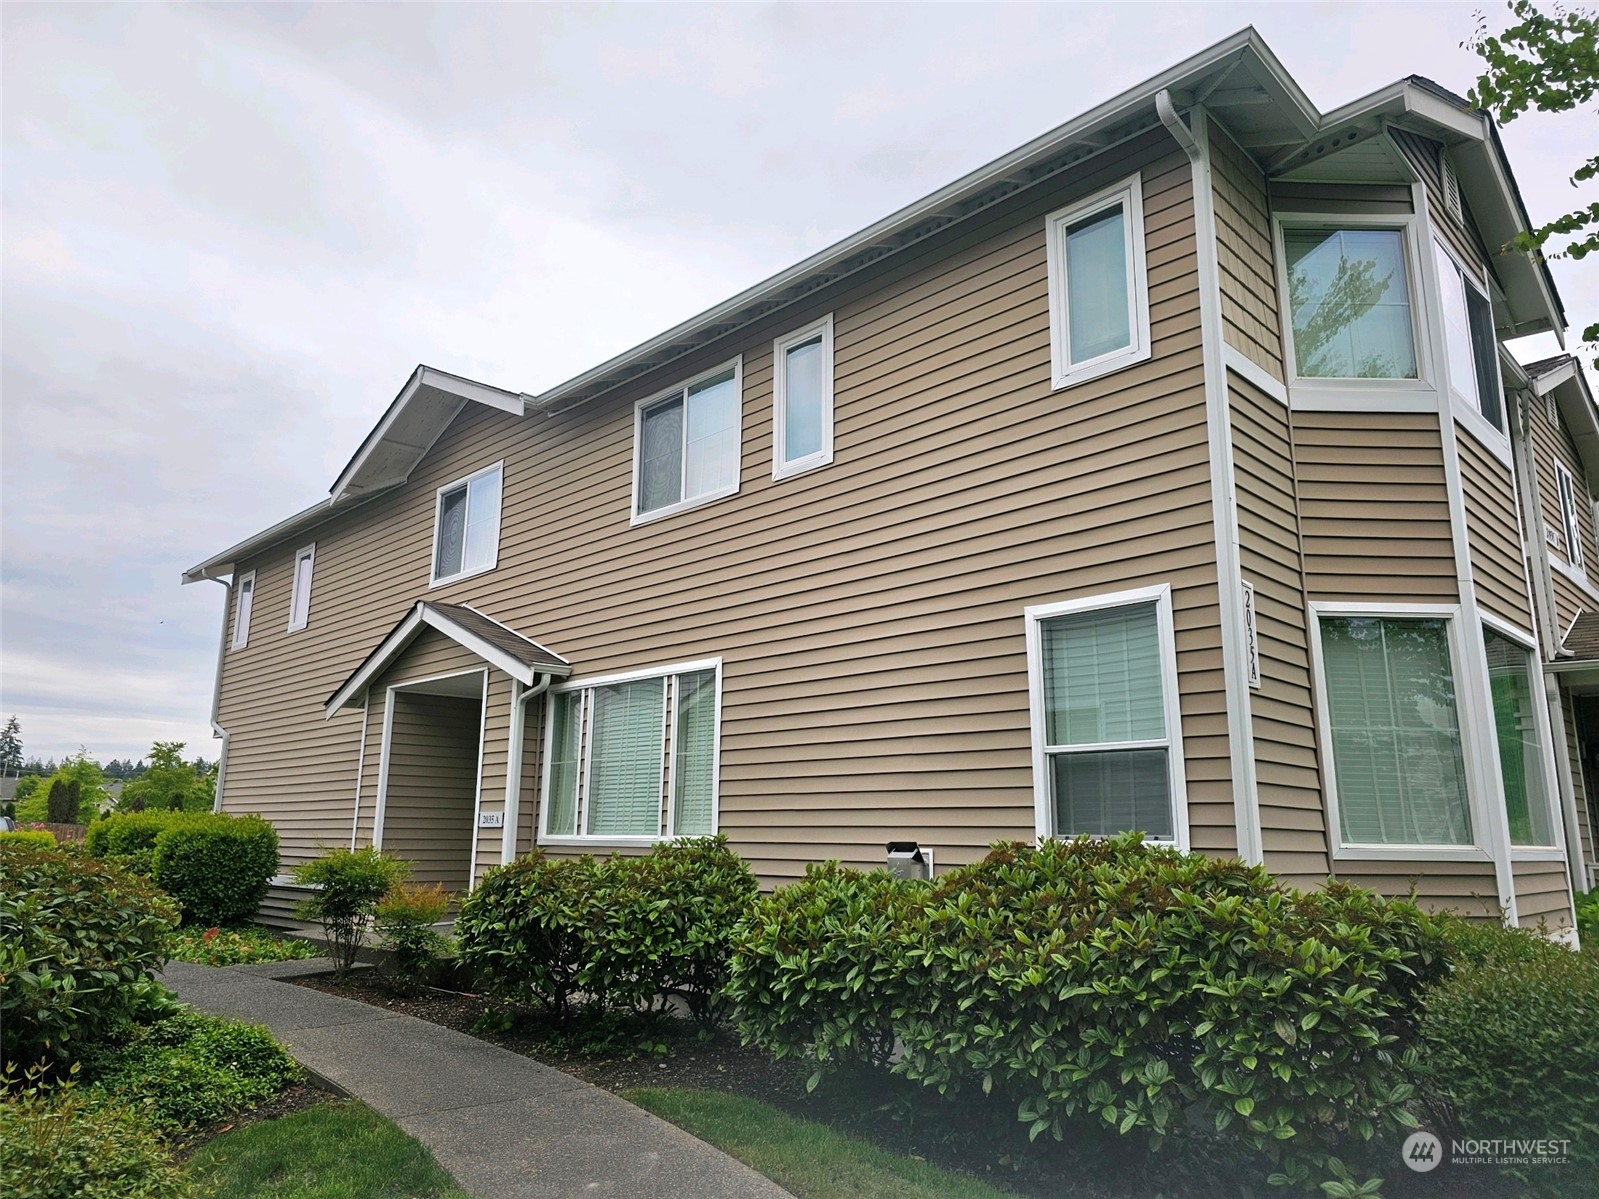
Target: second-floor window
x=300, y=598
x=241, y=615
x=1098, y=288
x=802, y=399
x=1349, y=299
x=1569, y=523
x=686, y=444
x=1469, y=337
x=466, y=529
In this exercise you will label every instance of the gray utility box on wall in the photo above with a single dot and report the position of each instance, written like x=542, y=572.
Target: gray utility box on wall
x=906, y=859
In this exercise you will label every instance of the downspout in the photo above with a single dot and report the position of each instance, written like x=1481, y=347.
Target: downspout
x=216, y=693
x=513, y=765
x=1224, y=506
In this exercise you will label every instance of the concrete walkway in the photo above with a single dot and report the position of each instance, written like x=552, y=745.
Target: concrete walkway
x=504, y=1125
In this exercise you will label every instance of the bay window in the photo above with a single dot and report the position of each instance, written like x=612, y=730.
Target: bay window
x=1511, y=680
x=1469, y=339
x=632, y=758
x=1349, y=302
x=1398, y=776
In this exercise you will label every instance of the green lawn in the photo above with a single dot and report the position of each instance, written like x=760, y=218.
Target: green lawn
x=811, y=1160
x=331, y=1151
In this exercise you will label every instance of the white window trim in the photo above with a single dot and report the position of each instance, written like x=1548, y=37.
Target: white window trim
x=1130, y=194
x=782, y=466
x=545, y=837
x=436, y=580
x=1160, y=596
x=1570, y=523
x=1450, y=614
x=294, y=587
x=681, y=390
x=242, y=619
x=1467, y=413
x=1312, y=393
x=1531, y=853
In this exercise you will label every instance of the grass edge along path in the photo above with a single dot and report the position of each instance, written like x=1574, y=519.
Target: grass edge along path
x=809, y=1159
x=335, y=1150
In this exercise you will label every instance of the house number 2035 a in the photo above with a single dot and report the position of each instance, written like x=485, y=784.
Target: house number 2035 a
x=491, y=820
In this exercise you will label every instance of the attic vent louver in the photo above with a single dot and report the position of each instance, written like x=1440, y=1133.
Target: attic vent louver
x=1452, y=191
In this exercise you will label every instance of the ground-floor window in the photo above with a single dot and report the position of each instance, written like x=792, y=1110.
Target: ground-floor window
x=1106, y=742
x=633, y=757
x=1521, y=753
x=1398, y=773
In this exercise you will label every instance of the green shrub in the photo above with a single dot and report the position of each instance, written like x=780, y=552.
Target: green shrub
x=236, y=946
x=191, y=1070
x=1588, y=919
x=29, y=836
x=527, y=929
x=127, y=839
x=82, y=939
x=217, y=867
x=349, y=884
x=55, y=1144
x=665, y=925
x=1140, y=985
x=815, y=970
x=404, y=919
x=1509, y=1042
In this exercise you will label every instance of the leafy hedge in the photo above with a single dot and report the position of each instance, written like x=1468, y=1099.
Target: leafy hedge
x=29, y=836
x=82, y=939
x=216, y=866
x=1509, y=1042
x=190, y=1070
x=1106, y=980
x=625, y=932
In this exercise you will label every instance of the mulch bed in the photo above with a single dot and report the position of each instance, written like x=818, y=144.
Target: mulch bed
x=297, y=1098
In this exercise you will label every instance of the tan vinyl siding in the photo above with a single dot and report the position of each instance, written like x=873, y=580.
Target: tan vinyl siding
x=1542, y=895
x=1248, y=279
x=496, y=753
x=1497, y=565
x=277, y=909
x=1468, y=888
x=1423, y=155
x=432, y=776
x=1551, y=443
x=1292, y=816
x=1374, y=507
x=869, y=614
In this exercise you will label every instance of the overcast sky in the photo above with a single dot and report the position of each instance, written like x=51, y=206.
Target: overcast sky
x=230, y=233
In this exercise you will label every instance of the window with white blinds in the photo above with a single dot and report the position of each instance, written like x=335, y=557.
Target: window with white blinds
x=633, y=757
x=1398, y=772
x=1104, y=680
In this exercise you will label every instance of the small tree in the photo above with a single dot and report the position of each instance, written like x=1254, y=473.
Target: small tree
x=11, y=748
x=349, y=885
x=169, y=785
x=63, y=801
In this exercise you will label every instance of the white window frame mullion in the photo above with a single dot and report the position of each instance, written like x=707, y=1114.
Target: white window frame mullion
x=1477, y=804
x=1166, y=639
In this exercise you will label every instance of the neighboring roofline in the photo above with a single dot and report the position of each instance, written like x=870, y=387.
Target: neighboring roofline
x=424, y=615
x=303, y=521
x=425, y=376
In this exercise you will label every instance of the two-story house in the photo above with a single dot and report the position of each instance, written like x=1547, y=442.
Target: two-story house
x=1167, y=473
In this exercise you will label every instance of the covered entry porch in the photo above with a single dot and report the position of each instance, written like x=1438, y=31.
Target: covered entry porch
x=444, y=701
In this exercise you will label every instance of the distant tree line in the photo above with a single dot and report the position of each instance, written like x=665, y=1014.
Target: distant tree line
x=79, y=788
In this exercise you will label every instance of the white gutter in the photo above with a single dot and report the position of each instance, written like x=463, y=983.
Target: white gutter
x=513, y=765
